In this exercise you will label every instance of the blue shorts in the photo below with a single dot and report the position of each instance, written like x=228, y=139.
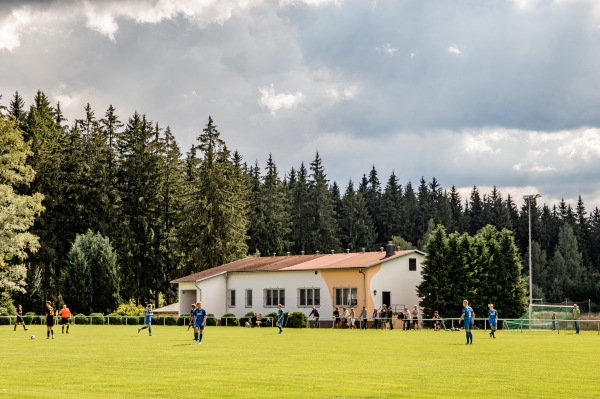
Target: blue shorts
x=468, y=324
x=493, y=323
x=199, y=326
x=148, y=321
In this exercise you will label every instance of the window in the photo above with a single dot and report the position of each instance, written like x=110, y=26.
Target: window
x=346, y=297
x=309, y=297
x=231, y=298
x=248, y=298
x=274, y=297
x=412, y=264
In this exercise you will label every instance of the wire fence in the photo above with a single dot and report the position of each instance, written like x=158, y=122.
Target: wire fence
x=383, y=323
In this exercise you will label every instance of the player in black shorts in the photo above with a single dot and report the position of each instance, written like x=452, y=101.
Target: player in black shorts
x=20, y=319
x=49, y=320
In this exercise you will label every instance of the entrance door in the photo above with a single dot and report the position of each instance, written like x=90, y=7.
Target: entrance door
x=386, y=297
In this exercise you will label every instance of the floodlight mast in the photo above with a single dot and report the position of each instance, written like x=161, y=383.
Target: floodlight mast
x=529, y=198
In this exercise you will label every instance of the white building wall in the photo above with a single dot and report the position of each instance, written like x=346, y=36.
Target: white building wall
x=395, y=277
x=214, y=295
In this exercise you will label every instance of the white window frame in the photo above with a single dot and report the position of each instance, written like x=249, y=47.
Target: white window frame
x=269, y=297
x=248, y=302
x=352, y=299
x=310, y=300
x=231, y=299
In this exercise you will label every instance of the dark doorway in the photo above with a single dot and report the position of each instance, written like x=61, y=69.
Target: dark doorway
x=386, y=297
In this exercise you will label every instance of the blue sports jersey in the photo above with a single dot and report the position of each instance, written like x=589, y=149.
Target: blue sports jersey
x=280, y=315
x=492, y=313
x=200, y=316
x=468, y=311
x=148, y=315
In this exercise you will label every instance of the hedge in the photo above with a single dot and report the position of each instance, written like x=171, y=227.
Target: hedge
x=229, y=320
x=211, y=320
x=81, y=319
x=296, y=320
x=246, y=318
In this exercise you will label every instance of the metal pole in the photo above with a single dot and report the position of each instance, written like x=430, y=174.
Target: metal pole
x=530, y=275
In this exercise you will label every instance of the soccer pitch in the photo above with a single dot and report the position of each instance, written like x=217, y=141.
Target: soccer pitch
x=236, y=362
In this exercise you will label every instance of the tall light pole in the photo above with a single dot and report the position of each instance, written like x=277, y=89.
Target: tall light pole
x=530, y=198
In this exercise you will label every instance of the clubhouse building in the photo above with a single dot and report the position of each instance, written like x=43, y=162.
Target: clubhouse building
x=299, y=282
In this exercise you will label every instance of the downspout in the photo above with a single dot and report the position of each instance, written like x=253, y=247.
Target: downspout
x=226, y=291
x=364, y=286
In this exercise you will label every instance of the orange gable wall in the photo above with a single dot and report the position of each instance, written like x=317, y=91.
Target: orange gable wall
x=352, y=278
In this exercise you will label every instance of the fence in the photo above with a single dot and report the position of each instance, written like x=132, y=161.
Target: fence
x=123, y=320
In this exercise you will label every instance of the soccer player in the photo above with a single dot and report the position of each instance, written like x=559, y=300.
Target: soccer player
x=576, y=316
x=191, y=322
x=280, y=318
x=147, y=320
x=199, y=323
x=20, y=319
x=493, y=315
x=49, y=320
x=65, y=316
x=467, y=315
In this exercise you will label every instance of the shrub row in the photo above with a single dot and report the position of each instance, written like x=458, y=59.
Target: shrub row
x=294, y=320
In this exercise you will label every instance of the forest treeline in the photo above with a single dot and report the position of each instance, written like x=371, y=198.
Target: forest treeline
x=168, y=213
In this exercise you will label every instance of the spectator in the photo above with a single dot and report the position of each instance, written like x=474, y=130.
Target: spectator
x=406, y=319
x=336, y=318
x=345, y=316
x=553, y=321
x=576, y=317
x=390, y=315
x=383, y=316
x=436, y=321
x=314, y=312
x=375, y=318
x=415, y=317
x=363, y=318
x=352, y=318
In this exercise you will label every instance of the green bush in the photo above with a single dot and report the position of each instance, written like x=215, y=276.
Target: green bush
x=5, y=320
x=28, y=317
x=211, y=320
x=130, y=309
x=133, y=320
x=81, y=319
x=115, y=319
x=246, y=318
x=98, y=319
x=229, y=320
x=296, y=320
x=170, y=321
x=183, y=320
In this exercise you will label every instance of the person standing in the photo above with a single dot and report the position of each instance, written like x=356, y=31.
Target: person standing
x=363, y=318
x=352, y=318
x=336, y=318
x=191, y=322
x=20, y=320
x=49, y=316
x=375, y=317
x=345, y=315
x=415, y=317
x=553, y=321
x=315, y=313
x=65, y=318
x=390, y=317
x=406, y=319
x=467, y=315
x=147, y=320
x=199, y=322
x=493, y=318
x=576, y=317
x=280, y=318
x=436, y=321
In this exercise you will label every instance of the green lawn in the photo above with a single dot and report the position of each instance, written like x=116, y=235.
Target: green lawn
x=236, y=362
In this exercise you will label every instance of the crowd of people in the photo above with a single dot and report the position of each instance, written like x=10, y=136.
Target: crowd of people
x=383, y=318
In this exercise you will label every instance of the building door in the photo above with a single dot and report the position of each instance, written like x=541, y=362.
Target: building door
x=386, y=298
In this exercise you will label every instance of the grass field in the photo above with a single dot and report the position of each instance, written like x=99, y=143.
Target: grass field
x=117, y=362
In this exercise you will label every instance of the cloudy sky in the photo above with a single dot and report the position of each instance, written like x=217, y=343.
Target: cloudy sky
x=501, y=92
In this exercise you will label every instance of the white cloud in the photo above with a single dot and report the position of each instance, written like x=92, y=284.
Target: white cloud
x=386, y=49
x=276, y=101
x=584, y=144
x=454, y=50
x=12, y=27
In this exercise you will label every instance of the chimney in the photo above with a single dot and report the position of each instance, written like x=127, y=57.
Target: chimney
x=301, y=252
x=287, y=253
x=274, y=254
x=390, y=249
x=347, y=250
x=332, y=251
x=317, y=251
x=363, y=250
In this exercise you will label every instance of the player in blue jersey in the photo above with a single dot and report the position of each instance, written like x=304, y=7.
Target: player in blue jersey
x=199, y=322
x=280, y=318
x=147, y=320
x=468, y=315
x=191, y=322
x=493, y=315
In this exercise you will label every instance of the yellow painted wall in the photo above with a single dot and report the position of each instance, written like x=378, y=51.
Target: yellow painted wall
x=352, y=278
